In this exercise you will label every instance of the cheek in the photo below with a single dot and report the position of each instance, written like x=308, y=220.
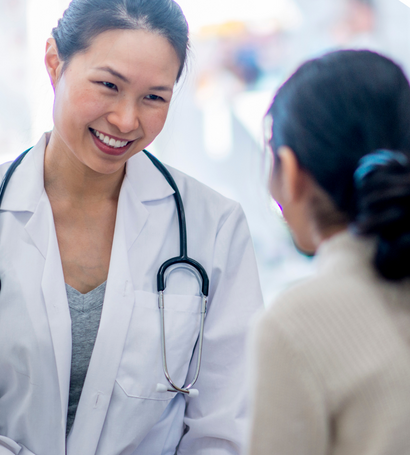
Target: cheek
x=275, y=189
x=155, y=121
x=86, y=104
x=76, y=104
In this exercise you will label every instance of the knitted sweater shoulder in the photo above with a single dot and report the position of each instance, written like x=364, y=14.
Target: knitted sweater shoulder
x=332, y=361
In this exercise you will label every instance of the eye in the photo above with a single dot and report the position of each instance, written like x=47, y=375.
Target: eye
x=155, y=98
x=109, y=85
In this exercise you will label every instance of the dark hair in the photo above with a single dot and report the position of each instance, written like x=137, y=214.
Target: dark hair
x=333, y=111
x=83, y=20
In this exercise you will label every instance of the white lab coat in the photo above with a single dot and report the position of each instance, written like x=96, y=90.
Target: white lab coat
x=119, y=412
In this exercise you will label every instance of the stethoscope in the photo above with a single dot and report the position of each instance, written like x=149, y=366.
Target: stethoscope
x=164, y=272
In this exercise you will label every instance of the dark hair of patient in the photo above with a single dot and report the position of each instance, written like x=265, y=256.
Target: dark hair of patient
x=83, y=20
x=333, y=111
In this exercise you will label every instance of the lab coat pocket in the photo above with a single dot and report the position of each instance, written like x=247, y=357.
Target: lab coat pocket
x=140, y=369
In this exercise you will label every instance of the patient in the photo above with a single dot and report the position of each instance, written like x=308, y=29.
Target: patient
x=331, y=356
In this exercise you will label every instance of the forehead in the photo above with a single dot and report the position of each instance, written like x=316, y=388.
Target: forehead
x=132, y=53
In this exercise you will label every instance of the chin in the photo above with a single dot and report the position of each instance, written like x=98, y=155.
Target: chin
x=104, y=168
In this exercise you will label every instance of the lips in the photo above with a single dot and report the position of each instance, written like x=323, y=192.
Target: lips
x=109, y=144
x=111, y=141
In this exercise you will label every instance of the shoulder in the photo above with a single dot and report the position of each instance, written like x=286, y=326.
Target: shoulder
x=190, y=185
x=325, y=300
x=35, y=158
x=149, y=185
x=345, y=284
x=340, y=321
x=3, y=168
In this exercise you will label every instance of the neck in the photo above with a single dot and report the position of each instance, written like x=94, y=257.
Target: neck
x=326, y=233
x=66, y=177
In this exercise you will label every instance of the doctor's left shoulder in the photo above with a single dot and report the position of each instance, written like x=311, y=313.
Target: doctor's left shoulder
x=208, y=200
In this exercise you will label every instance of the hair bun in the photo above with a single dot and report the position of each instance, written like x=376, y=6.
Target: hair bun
x=392, y=258
x=382, y=182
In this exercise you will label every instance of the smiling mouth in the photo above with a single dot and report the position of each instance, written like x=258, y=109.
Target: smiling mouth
x=109, y=141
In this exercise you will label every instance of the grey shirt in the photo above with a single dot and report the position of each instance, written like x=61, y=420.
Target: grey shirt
x=85, y=310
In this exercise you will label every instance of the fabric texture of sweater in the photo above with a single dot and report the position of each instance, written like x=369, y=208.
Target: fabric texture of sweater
x=331, y=361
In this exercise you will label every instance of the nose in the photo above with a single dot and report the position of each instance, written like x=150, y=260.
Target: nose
x=125, y=116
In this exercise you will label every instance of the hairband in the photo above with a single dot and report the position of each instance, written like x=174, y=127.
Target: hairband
x=381, y=157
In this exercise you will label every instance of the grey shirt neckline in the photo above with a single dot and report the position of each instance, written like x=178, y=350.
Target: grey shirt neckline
x=84, y=302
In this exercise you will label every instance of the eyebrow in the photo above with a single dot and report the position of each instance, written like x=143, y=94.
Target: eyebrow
x=113, y=73
x=160, y=88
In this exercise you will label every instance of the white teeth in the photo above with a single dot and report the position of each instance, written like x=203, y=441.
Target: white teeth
x=110, y=141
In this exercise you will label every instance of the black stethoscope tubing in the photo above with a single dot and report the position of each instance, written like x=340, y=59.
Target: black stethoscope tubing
x=183, y=256
x=10, y=171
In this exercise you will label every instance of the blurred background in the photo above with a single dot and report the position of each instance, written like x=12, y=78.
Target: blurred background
x=242, y=51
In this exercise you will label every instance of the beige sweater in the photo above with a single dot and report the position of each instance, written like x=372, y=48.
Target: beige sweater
x=331, y=362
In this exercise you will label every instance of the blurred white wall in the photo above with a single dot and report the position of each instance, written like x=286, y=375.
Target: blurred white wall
x=15, y=117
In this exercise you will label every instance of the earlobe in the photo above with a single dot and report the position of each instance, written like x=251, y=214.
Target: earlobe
x=52, y=60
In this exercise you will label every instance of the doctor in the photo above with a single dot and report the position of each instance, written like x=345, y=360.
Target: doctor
x=85, y=223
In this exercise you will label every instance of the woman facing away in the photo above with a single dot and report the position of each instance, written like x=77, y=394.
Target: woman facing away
x=332, y=355
x=86, y=222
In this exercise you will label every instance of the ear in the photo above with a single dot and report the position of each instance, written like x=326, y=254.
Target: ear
x=293, y=176
x=53, y=62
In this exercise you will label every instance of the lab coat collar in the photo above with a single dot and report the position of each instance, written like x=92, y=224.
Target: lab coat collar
x=27, y=184
x=146, y=180
x=142, y=183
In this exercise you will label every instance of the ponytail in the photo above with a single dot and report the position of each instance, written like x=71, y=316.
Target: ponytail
x=382, y=182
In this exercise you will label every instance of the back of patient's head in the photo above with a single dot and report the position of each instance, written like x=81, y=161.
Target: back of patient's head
x=342, y=112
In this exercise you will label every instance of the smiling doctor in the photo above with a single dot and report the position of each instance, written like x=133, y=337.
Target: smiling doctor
x=86, y=221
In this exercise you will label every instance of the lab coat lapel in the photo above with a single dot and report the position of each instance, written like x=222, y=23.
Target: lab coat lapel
x=116, y=315
x=55, y=297
x=26, y=193
x=142, y=183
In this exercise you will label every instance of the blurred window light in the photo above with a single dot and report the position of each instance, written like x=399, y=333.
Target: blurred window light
x=406, y=2
x=217, y=129
x=250, y=108
x=202, y=13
